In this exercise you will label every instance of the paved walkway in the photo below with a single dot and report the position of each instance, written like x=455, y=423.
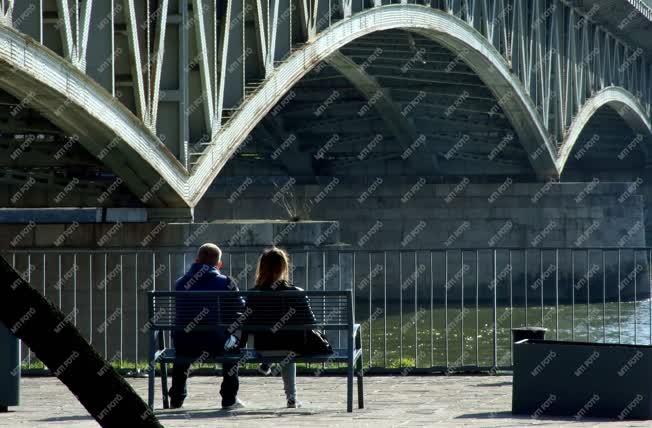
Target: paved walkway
x=390, y=402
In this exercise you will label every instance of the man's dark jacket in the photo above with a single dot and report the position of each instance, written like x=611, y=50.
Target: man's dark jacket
x=195, y=311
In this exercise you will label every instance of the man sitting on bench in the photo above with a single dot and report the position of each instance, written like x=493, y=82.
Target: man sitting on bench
x=204, y=275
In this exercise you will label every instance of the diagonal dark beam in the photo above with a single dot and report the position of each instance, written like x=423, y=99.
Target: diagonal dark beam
x=106, y=395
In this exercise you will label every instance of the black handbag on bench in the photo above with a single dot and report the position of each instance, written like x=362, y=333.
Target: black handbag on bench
x=315, y=343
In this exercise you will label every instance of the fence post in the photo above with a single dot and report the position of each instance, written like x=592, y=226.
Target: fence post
x=495, y=319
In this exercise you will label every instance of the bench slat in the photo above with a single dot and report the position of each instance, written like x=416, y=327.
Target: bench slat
x=170, y=309
x=252, y=356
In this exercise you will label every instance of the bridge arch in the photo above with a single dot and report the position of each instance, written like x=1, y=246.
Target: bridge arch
x=437, y=25
x=82, y=108
x=622, y=101
x=145, y=163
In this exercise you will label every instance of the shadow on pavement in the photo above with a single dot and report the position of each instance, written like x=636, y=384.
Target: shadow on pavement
x=495, y=384
x=196, y=414
x=68, y=418
x=542, y=419
x=219, y=413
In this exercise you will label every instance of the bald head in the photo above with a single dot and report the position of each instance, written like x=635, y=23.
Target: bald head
x=209, y=254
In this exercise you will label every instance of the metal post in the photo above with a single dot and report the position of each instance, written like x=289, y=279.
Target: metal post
x=60, y=282
x=495, y=320
x=106, y=327
x=353, y=279
x=446, y=304
x=339, y=287
x=542, y=281
x=137, y=289
x=385, y=306
x=477, y=308
x=511, y=307
x=29, y=281
x=525, y=281
x=572, y=295
x=432, y=357
x=369, y=318
x=618, y=286
x=604, y=300
x=307, y=286
x=122, y=311
x=246, y=267
x=588, y=297
x=635, y=300
x=557, y=294
x=400, y=307
x=74, y=289
x=44, y=273
x=90, y=299
x=462, y=310
x=416, y=315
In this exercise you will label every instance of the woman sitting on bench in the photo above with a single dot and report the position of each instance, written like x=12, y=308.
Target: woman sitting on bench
x=272, y=274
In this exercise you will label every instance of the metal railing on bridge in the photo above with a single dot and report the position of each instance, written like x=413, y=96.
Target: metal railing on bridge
x=643, y=6
x=421, y=310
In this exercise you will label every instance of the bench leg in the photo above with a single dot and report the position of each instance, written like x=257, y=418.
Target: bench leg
x=151, y=372
x=349, y=388
x=164, y=384
x=360, y=373
x=164, y=371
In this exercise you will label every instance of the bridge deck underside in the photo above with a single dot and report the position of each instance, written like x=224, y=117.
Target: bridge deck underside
x=327, y=126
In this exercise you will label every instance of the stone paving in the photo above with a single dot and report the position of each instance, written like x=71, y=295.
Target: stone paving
x=391, y=401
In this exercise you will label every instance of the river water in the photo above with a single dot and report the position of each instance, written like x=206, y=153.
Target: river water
x=409, y=337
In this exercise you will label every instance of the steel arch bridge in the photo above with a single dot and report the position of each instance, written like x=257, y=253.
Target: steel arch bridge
x=161, y=91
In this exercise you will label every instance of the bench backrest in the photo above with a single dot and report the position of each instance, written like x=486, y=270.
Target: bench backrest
x=205, y=310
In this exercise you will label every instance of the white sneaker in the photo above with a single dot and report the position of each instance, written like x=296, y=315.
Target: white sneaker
x=237, y=405
x=293, y=403
x=231, y=343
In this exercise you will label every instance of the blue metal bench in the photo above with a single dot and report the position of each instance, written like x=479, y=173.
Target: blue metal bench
x=175, y=310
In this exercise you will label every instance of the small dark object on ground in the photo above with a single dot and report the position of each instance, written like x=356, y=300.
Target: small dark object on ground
x=531, y=333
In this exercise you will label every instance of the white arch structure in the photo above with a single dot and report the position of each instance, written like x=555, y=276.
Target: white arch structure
x=64, y=94
x=621, y=101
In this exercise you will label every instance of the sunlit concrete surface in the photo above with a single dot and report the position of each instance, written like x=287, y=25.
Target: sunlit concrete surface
x=410, y=401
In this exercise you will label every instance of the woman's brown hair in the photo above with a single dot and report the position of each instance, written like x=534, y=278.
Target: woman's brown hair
x=273, y=266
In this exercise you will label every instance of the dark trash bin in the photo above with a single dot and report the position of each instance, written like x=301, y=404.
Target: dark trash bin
x=9, y=369
x=530, y=333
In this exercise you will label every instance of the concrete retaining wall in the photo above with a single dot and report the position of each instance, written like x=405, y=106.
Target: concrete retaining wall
x=418, y=215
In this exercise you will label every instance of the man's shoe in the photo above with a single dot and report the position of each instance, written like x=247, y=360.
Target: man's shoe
x=265, y=371
x=293, y=403
x=237, y=405
x=176, y=404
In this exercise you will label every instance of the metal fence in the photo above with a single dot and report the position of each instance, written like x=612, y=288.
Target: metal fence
x=424, y=310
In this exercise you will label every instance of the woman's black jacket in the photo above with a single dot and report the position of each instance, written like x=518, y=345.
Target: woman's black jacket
x=280, y=312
